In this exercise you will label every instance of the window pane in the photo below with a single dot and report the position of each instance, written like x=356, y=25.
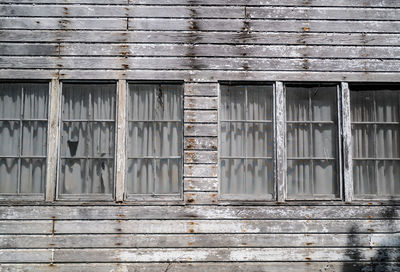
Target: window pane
x=375, y=140
x=23, y=135
x=312, y=142
x=155, y=138
x=246, y=141
x=87, y=139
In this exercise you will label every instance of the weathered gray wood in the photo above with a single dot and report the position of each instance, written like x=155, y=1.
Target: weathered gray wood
x=193, y=116
x=271, y=211
x=198, y=240
x=200, y=130
x=267, y=25
x=26, y=256
x=238, y=64
x=347, y=149
x=200, y=184
x=52, y=139
x=224, y=226
x=200, y=170
x=304, y=38
x=26, y=227
x=121, y=141
x=200, y=157
x=200, y=76
x=204, y=267
x=216, y=255
x=200, y=143
x=201, y=103
x=280, y=140
x=295, y=3
x=204, y=89
x=199, y=12
x=196, y=198
x=63, y=24
x=173, y=50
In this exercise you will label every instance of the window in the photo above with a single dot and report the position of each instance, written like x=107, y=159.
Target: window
x=154, y=139
x=87, y=141
x=246, y=142
x=312, y=142
x=375, y=140
x=23, y=139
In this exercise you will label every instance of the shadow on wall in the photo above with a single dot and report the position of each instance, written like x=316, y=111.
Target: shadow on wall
x=386, y=251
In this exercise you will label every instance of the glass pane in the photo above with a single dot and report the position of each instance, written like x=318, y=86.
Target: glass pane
x=142, y=101
x=260, y=105
x=9, y=138
x=299, y=140
x=33, y=175
x=168, y=102
x=94, y=139
x=388, y=173
x=259, y=177
x=362, y=106
x=10, y=100
x=324, y=140
x=9, y=176
x=259, y=140
x=140, y=139
x=387, y=141
x=140, y=178
x=35, y=100
x=232, y=176
x=324, y=105
x=299, y=178
x=363, y=142
x=325, y=180
x=297, y=104
x=387, y=106
x=232, y=102
x=168, y=176
x=232, y=139
x=168, y=140
x=34, y=138
x=89, y=101
x=81, y=176
x=364, y=177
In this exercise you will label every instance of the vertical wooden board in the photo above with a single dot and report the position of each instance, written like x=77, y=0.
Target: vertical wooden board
x=347, y=145
x=280, y=140
x=121, y=141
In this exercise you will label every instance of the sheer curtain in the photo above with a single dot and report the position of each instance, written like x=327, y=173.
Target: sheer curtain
x=375, y=140
x=87, y=139
x=311, y=117
x=23, y=137
x=246, y=154
x=155, y=136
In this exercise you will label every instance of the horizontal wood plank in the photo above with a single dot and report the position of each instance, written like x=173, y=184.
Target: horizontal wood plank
x=204, y=89
x=200, y=143
x=200, y=130
x=200, y=184
x=200, y=157
x=205, y=103
x=196, y=198
x=200, y=170
x=326, y=211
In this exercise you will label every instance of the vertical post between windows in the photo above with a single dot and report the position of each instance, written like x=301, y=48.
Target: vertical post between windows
x=121, y=141
x=53, y=138
x=347, y=150
x=280, y=142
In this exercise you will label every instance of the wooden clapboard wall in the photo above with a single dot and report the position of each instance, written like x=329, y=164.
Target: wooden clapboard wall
x=200, y=42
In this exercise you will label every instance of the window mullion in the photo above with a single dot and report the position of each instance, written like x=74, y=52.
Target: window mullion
x=347, y=145
x=280, y=140
x=53, y=138
x=121, y=141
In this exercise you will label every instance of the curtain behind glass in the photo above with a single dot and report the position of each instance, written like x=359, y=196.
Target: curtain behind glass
x=375, y=140
x=155, y=136
x=246, y=151
x=87, y=139
x=23, y=137
x=311, y=117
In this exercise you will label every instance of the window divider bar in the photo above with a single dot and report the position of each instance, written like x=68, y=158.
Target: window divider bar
x=53, y=139
x=280, y=140
x=347, y=148
x=121, y=141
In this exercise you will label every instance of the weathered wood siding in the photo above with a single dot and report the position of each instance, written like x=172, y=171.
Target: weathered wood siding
x=200, y=42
